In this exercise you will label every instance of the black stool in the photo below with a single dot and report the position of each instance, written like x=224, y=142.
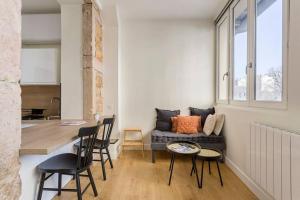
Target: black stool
x=71, y=164
x=208, y=155
x=103, y=143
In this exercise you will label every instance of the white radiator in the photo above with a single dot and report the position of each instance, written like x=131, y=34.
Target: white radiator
x=275, y=161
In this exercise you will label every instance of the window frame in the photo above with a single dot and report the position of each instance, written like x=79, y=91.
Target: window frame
x=226, y=16
x=285, y=51
x=232, y=100
x=251, y=52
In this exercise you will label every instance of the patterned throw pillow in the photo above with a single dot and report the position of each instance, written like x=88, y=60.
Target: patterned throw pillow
x=188, y=124
x=219, y=124
x=209, y=125
x=174, y=124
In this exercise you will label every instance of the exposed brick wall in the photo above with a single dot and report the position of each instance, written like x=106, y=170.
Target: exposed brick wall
x=99, y=92
x=92, y=60
x=10, y=99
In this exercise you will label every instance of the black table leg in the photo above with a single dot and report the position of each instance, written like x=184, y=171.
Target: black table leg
x=171, y=162
x=196, y=171
x=202, y=174
x=209, y=167
x=172, y=166
x=219, y=173
x=192, y=170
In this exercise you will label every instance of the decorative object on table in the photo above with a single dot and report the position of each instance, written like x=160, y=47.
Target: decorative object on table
x=209, y=125
x=208, y=155
x=103, y=143
x=73, y=123
x=71, y=164
x=133, y=142
x=163, y=121
x=183, y=148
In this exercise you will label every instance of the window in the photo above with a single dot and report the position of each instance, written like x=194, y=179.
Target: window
x=269, y=40
x=257, y=53
x=223, y=59
x=240, y=51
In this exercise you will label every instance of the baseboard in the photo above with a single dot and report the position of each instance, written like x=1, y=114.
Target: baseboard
x=257, y=190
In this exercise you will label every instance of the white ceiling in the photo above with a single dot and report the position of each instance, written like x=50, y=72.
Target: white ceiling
x=169, y=9
x=40, y=6
x=142, y=9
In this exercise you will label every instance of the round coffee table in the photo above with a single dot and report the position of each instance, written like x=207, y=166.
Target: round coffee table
x=208, y=155
x=183, y=148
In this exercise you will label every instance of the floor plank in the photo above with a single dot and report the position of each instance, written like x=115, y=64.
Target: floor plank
x=134, y=177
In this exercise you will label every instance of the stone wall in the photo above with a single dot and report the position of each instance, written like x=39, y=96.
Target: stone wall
x=92, y=60
x=10, y=99
x=99, y=93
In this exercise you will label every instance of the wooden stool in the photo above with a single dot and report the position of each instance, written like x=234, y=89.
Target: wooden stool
x=130, y=142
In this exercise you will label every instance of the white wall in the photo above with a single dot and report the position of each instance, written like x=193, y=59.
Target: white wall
x=111, y=75
x=164, y=64
x=71, y=61
x=41, y=28
x=238, y=119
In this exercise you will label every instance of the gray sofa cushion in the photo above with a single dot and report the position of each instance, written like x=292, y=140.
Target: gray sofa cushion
x=165, y=137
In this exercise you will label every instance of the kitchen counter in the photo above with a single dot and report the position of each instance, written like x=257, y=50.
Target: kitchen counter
x=41, y=140
x=43, y=137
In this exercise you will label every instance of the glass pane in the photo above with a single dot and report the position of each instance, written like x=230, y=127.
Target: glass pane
x=223, y=59
x=268, y=50
x=240, y=51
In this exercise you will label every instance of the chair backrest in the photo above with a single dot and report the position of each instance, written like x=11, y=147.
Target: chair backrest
x=107, y=125
x=87, y=137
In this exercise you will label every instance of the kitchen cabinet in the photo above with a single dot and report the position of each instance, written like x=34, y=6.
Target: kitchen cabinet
x=40, y=65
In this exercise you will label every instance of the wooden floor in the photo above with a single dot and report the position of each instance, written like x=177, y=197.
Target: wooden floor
x=135, y=177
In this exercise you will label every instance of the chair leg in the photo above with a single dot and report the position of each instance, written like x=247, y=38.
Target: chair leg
x=41, y=187
x=59, y=184
x=102, y=165
x=78, y=187
x=109, y=158
x=153, y=156
x=92, y=182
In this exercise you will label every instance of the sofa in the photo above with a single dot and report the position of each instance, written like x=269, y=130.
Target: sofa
x=163, y=133
x=159, y=139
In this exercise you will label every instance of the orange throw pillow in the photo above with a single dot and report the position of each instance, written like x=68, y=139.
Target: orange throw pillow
x=188, y=124
x=174, y=124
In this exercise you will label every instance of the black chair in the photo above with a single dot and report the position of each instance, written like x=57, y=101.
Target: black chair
x=103, y=143
x=72, y=164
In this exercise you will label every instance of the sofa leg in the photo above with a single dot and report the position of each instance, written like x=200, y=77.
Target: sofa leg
x=153, y=156
x=222, y=160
